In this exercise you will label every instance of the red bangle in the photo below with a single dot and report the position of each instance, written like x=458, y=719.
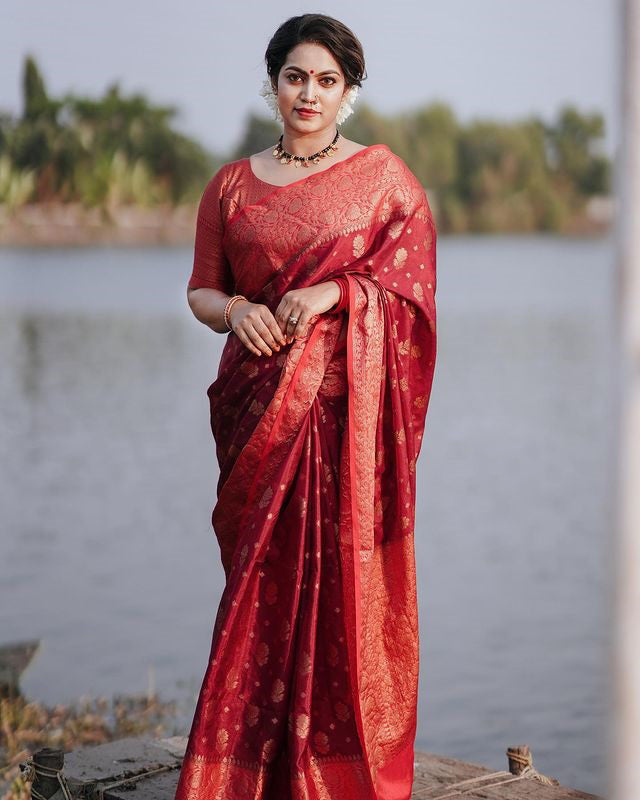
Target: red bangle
x=343, y=302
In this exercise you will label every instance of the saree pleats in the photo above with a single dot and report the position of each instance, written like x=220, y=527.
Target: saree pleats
x=310, y=691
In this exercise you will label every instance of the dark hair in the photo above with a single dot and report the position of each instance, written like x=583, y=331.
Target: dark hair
x=319, y=29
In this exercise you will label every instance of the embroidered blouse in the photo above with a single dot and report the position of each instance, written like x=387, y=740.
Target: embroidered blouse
x=232, y=187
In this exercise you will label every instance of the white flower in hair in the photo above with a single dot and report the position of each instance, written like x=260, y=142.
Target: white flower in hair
x=346, y=106
x=269, y=95
x=345, y=110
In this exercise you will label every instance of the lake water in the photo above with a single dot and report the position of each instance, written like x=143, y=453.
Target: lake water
x=109, y=478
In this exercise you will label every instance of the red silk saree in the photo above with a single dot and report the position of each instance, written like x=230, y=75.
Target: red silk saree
x=310, y=692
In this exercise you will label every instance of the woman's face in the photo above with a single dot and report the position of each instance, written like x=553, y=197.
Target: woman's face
x=310, y=72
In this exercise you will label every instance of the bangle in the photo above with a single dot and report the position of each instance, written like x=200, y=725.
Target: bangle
x=227, y=308
x=343, y=302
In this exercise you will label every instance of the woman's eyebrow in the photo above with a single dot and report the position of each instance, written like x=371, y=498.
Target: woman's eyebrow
x=326, y=71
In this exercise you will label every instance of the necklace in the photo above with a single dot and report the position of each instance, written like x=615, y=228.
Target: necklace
x=286, y=158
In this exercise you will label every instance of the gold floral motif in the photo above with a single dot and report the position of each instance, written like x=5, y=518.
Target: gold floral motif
x=250, y=368
x=269, y=750
x=416, y=351
x=395, y=229
x=277, y=691
x=400, y=257
x=252, y=715
x=285, y=630
x=343, y=712
x=266, y=497
x=418, y=293
x=256, y=408
x=400, y=436
x=420, y=401
x=358, y=245
x=302, y=725
x=403, y=347
x=221, y=740
x=305, y=663
x=321, y=742
x=231, y=679
x=404, y=384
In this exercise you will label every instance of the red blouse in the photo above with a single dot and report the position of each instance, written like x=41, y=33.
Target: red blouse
x=232, y=187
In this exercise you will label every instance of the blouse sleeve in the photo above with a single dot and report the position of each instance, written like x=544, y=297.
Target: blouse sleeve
x=211, y=269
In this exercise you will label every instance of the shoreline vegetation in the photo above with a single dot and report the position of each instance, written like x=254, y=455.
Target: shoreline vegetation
x=76, y=170
x=27, y=726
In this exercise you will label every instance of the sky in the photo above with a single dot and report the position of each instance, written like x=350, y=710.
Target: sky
x=502, y=59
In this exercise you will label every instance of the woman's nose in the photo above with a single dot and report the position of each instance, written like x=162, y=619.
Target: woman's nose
x=308, y=91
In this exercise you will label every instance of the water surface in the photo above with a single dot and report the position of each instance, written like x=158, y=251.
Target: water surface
x=109, y=478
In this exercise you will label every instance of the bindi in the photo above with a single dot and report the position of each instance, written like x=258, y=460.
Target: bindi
x=311, y=71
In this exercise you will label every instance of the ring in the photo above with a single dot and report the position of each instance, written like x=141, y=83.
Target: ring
x=293, y=319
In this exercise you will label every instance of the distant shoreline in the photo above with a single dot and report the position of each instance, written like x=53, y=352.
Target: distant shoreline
x=71, y=224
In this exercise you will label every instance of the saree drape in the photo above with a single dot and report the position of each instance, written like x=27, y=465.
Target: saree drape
x=310, y=691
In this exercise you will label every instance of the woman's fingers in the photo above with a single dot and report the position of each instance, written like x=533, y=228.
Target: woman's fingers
x=299, y=328
x=257, y=330
x=257, y=340
x=261, y=332
x=246, y=341
x=270, y=331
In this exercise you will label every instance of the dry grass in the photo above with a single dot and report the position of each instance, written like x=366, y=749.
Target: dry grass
x=28, y=726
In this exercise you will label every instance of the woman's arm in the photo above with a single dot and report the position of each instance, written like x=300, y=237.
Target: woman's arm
x=208, y=306
x=252, y=323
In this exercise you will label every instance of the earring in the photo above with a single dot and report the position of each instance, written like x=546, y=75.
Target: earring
x=345, y=109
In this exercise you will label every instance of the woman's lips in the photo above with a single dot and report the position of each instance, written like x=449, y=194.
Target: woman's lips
x=306, y=113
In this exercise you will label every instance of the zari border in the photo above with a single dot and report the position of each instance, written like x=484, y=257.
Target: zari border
x=228, y=778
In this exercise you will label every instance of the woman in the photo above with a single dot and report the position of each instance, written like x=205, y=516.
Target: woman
x=328, y=281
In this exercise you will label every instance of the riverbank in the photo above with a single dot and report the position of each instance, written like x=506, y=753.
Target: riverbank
x=71, y=224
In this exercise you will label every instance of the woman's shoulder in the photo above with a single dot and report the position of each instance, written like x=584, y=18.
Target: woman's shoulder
x=226, y=174
x=401, y=184
x=226, y=182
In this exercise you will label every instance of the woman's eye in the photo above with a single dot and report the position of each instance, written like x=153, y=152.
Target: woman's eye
x=331, y=80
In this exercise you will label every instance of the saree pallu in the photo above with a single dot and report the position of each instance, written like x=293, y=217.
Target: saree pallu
x=310, y=692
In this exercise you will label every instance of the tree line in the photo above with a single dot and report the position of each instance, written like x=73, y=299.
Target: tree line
x=485, y=175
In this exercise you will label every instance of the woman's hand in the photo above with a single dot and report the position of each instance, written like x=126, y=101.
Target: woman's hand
x=304, y=305
x=256, y=327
